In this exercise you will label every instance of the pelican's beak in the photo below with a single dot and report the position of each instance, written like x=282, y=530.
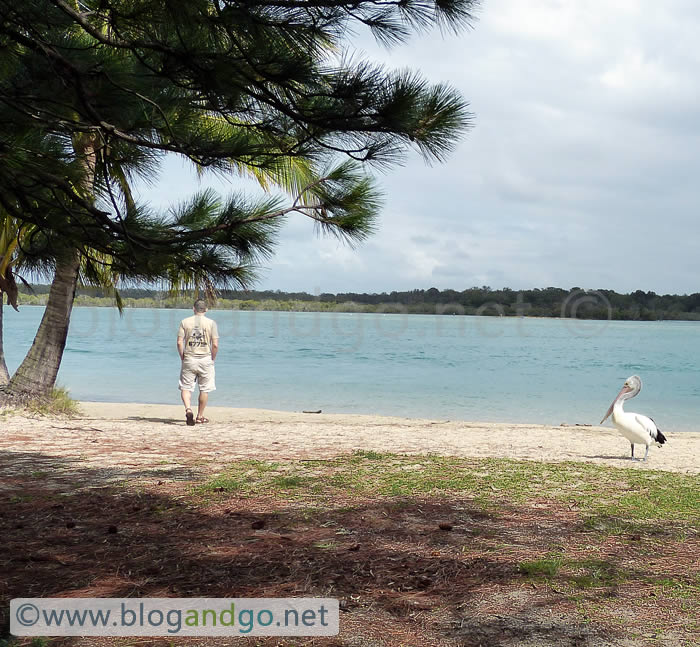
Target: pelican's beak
x=623, y=390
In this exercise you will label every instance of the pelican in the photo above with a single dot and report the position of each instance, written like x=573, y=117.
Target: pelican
x=634, y=426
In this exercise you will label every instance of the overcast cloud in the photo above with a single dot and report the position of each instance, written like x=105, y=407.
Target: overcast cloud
x=581, y=169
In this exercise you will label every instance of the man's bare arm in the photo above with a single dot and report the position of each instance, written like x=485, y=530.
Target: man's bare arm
x=214, y=348
x=181, y=346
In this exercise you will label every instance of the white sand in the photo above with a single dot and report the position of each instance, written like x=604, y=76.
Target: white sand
x=132, y=437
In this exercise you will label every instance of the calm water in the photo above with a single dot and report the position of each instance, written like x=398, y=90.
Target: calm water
x=447, y=367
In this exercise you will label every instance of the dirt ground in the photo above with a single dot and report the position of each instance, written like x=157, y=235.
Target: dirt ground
x=103, y=505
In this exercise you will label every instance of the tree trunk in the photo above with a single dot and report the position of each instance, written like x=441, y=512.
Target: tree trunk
x=36, y=376
x=4, y=375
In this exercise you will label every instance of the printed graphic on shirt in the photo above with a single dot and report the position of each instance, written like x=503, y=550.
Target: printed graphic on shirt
x=198, y=333
x=197, y=339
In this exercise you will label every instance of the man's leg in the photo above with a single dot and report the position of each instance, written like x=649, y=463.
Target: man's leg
x=207, y=383
x=203, y=399
x=186, y=399
x=186, y=385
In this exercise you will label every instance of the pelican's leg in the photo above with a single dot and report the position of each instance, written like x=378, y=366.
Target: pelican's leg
x=646, y=453
x=632, y=446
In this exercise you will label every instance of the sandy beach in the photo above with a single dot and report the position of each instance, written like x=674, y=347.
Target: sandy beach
x=118, y=439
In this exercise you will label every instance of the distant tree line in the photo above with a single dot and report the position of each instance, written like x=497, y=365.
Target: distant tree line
x=545, y=302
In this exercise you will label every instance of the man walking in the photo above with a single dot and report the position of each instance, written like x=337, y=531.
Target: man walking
x=198, y=344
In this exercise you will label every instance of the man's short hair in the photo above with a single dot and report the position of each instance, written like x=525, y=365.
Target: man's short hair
x=200, y=305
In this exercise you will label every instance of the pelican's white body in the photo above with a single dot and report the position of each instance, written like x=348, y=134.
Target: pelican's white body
x=638, y=429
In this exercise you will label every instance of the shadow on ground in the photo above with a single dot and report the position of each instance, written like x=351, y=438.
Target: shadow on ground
x=407, y=571
x=165, y=421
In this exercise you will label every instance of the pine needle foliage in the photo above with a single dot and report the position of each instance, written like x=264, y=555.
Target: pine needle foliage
x=103, y=90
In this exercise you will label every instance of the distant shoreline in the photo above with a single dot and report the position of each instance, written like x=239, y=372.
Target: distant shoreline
x=549, y=302
x=348, y=307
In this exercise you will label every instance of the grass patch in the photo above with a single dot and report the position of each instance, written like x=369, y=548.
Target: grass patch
x=288, y=482
x=14, y=642
x=673, y=588
x=547, y=567
x=20, y=498
x=649, y=493
x=360, y=455
x=610, y=501
x=596, y=573
x=58, y=403
x=221, y=483
x=37, y=641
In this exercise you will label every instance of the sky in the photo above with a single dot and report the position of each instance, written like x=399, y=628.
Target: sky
x=581, y=168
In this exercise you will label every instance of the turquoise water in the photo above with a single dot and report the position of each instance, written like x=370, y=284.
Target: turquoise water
x=446, y=367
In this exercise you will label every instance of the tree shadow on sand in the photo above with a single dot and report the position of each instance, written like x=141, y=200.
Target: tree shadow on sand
x=407, y=571
x=165, y=421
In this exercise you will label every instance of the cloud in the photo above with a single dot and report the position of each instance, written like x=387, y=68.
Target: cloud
x=581, y=168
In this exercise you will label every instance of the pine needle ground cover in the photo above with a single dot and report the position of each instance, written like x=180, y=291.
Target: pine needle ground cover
x=420, y=550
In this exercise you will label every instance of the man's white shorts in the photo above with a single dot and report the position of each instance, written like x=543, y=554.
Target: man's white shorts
x=200, y=369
